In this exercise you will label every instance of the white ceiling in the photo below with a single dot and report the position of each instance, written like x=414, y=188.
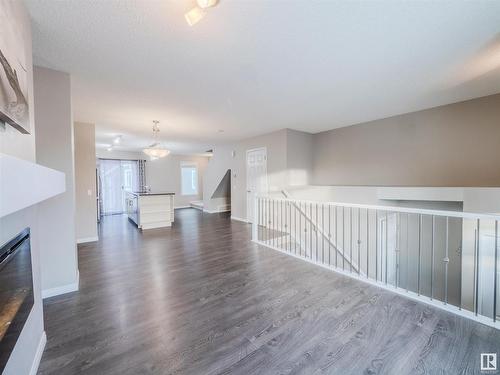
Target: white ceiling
x=250, y=67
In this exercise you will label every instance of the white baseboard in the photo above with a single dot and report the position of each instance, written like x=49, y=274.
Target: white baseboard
x=73, y=287
x=215, y=211
x=177, y=207
x=87, y=239
x=38, y=355
x=239, y=219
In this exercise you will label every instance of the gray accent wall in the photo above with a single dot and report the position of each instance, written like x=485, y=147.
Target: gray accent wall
x=452, y=145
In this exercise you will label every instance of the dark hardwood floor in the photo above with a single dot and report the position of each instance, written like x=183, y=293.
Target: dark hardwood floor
x=200, y=298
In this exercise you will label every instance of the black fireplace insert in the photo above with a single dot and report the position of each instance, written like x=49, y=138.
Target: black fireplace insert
x=16, y=291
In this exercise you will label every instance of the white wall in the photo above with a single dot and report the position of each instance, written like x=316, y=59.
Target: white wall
x=55, y=149
x=85, y=182
x=217, y=166
x=164, y=175
x=23, y=146
x=288, y=163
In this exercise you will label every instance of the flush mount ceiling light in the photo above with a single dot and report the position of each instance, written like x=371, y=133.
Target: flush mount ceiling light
x=155, y=151
x=118, y=140
x=199, y=11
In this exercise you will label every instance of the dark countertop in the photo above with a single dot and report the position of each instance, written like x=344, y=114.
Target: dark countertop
x=143, y=194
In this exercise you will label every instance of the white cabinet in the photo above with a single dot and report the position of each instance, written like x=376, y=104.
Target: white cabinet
x=151, y=210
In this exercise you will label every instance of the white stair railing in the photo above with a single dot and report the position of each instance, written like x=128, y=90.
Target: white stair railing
x=339, y=252
x=445, y=258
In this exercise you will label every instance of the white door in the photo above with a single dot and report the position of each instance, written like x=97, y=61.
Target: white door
x=256, y=178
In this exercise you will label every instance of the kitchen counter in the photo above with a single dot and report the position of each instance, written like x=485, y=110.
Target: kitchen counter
x=151, y=209
x=145, y=193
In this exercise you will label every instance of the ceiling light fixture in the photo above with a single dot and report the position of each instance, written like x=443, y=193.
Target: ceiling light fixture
x=118, y=140
x=206, y=3
x=155, y=151
x=198, y=12
x=194, y=16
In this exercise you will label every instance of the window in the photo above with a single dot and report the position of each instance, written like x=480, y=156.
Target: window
x=189, y=179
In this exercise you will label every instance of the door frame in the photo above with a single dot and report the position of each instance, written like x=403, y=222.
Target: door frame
x=247, y=190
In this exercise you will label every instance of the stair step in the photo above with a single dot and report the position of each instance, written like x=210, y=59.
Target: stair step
x=197, y=204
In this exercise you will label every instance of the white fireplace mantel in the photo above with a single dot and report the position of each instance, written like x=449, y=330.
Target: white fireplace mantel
x=23, y=184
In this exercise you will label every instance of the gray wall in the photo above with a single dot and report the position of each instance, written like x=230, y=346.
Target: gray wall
x=299, y=157
x=452, y=145
x=23, y=146
x=85, y=182
x=54, y=149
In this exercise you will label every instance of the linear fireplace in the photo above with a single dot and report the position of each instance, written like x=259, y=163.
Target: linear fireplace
x=16, y=291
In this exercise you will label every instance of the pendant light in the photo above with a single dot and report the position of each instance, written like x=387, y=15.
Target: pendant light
x=199, y=11
x=155, y=151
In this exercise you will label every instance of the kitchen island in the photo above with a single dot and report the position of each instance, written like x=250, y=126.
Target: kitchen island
x=150, y=210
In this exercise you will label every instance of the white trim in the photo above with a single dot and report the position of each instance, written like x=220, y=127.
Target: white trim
x=25, y=183
x=178, y=207
x=38, y=355
x=215, y=211
x=391, y=288
x=73, y=287
x=87, y=239
x=239, y=219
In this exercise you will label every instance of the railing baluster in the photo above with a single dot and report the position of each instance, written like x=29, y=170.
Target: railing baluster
x=376, y=245
x=386, y=245
x=323, y=233
x=329, y=234
x=460, y=253
x=433, y=236
x=407, y=252
x=367, y=243
x=290, y=224
x=495, y=281
x=311, y=226
x=266, y=203
x=397, y=250
x=419, y=251
x=476, y=271
x=295, y=233
x=350, y=239
x=300, y=229
x=316, y=227
x=446, y=260
x=336, y=238
x=359, y=241
x=343, y=238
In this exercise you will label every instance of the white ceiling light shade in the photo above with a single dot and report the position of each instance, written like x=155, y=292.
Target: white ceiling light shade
x=155, y=151
x=194, y=16
x=206, y=3
x=118, y=140
x=198, y=12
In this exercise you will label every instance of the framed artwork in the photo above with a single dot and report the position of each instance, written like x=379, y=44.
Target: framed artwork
x=14, y=101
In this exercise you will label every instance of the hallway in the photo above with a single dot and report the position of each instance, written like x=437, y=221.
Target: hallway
x=200, y=298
